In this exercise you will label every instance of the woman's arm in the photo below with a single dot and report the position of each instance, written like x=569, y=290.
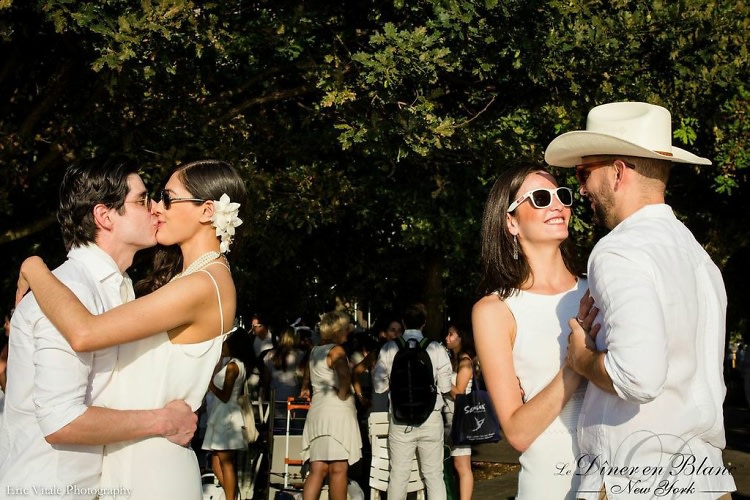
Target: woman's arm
x=338, y=362
x=494, y=331
x=265, y=373
x=359, y=369
x=305, y=390
x=3, y=366
x=225, y=392
x=463, y=376
x=185, y=299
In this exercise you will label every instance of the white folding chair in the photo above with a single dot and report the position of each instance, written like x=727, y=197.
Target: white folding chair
x=250, y=459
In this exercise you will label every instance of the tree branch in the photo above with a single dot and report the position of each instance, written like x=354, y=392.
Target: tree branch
x=35, y=227
x=257, y=101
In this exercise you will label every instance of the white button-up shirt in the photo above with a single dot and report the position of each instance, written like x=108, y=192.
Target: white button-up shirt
x=663, y=305
x=441, y=366
x=50, y=385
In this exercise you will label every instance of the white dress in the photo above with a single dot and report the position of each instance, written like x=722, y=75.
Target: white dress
x=225, y=421
x=548, y=465
x=331, y=430
x=151, y=373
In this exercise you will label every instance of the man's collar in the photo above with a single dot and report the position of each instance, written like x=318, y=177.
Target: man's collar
x=100, y=264
x=413, y=333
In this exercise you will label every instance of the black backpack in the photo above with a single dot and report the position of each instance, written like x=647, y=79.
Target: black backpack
x=412, y=386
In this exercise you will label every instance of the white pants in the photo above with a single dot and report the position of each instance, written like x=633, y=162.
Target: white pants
x=425, y=439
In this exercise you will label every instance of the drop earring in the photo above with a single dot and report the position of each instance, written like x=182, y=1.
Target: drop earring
x=515, y=247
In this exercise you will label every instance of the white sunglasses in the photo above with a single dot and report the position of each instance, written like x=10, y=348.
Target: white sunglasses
x=542, y=197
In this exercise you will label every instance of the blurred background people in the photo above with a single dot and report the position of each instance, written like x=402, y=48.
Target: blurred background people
x=331, y=440
x=362, y=371
x=260, y=327
x=224, y=426
x=461, y=346
x=282, y=373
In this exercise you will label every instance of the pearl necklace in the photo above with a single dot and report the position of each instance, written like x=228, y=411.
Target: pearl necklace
x=199, y=263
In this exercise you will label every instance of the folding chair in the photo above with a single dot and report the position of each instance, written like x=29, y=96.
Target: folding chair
x=250, y=459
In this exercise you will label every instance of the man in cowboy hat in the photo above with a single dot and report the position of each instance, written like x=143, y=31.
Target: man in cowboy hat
x=652, y=421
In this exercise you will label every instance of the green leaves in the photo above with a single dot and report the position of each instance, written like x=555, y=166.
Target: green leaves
x=685, y=133
x=368, y=133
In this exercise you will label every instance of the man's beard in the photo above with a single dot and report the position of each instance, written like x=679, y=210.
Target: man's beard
x=600, y=215
x=603, y=209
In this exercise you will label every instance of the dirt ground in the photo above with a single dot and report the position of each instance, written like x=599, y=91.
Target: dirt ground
x=488, y=470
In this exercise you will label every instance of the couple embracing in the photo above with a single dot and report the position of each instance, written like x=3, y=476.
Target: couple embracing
x=612, y=385
x=102, y=387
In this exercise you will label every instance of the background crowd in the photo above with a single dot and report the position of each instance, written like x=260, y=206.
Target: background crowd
x=280, y=370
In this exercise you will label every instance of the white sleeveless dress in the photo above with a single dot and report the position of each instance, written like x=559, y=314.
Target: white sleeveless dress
x=225, y=421
x=150, y=373
x=548, y=465
x=331, y=430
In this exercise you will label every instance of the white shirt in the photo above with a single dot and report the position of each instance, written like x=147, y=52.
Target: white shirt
x=285, y=383
x=260, y=345
x=441, y=366
x=663, y=304
x=50, y=385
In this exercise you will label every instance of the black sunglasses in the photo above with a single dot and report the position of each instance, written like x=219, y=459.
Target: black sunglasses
x=542, y=198
x=167, y=199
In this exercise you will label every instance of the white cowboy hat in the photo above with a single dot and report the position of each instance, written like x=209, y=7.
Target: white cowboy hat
x=621, y=128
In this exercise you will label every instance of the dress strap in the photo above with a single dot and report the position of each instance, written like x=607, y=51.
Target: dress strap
x=218, y=295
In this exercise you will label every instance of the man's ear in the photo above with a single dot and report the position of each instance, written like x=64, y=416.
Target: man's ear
x=619, y=168
x=208, y=211
x=103, y=216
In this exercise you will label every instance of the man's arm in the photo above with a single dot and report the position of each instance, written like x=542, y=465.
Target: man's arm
x=98, y=426
x=61, y=382
x=632, y=355
x=443, y=369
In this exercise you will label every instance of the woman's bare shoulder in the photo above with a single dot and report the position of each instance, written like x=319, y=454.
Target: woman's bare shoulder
x=490, y=304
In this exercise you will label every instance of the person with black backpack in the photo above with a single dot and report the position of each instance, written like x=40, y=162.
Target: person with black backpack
x=417, y=372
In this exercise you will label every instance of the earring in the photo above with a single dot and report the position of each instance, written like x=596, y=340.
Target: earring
x=515, y=247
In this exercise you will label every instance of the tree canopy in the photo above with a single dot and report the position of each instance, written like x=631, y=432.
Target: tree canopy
x=369, y=133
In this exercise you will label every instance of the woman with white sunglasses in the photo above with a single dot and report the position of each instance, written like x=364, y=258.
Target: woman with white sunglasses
x=171, y=338
x=531, y=287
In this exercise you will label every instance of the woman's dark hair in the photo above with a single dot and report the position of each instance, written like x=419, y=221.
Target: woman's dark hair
x=206, y=180
x=467, y=343
x=86, y=184
x=240, y=345
x=500, y=272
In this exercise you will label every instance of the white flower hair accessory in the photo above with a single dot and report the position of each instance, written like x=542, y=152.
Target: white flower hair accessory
x=225, y=220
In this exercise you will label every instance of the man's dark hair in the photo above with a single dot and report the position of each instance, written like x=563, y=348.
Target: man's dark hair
x=414, y=317
x=85, y=185
x=262, y=319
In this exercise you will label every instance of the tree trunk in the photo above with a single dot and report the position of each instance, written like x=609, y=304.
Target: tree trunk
x=434, y=296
